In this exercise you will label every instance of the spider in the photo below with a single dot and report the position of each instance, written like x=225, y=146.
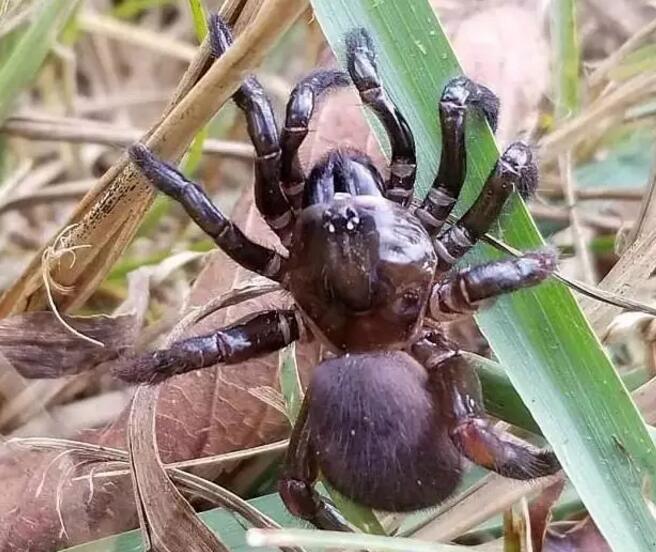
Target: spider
x=391, y=417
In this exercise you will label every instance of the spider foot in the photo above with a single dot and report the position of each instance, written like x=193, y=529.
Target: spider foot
x=489, y=448
x=304, y=502
x=462, y=92
x=517, y=165
x=361, y=60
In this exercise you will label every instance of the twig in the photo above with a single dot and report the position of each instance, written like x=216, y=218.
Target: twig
x=599, y=74
x=597, y=192
x=576, y=224
x=607, y=224
x=566, y=136
x=60, y=192
x=54, y=129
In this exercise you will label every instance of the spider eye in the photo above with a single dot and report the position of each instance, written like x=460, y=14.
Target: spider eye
x=408, y=303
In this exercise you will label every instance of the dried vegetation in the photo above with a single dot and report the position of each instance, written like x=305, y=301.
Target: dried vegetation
x=81, y=231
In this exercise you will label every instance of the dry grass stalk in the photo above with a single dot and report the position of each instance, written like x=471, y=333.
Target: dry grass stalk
x=596, y=114
x=636, y=265
x=109, y=215
x=67, y=129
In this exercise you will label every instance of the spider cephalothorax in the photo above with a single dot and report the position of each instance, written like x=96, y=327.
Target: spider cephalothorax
x=390, y=418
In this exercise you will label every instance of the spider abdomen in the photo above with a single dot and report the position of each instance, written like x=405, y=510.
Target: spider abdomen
x=376, y=433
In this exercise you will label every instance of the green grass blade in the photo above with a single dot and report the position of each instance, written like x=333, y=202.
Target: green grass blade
x=199, y=17
x=195, y=153
x=226, y=526
x=30, y=51
x=555, y=361
x=566, y=57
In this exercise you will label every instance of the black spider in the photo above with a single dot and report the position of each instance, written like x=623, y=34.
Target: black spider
x=390, y=418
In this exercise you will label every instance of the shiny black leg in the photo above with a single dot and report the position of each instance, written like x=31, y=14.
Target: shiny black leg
x=361, y=60
x=300, y=108
x=263, y=131
x=515, y=170
x=459, y=390
x=250, y=337
x=296, y=485
x=209, y=218
x=466, y=290
x=459, y=95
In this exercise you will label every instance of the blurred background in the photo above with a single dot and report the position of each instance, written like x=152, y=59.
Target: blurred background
x=100, y=73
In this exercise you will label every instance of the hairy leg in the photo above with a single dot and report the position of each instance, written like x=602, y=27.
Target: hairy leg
x=263, y=131
x=300, y=108
x=515, y=170
x=296, y=485
x=209, y=218
x=361, y=60
x=471, y=432
x=460, y=95
x=466, y=290
x=250, y=337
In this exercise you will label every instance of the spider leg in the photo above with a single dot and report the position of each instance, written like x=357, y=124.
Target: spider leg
x=263, y=131
x=209, y=218
x=300, y=108
x=515, y=170
x=361, y=61
x=474, y=436
x=466, y=290
x=459, y=95
x=253, y=336
x=299, y=475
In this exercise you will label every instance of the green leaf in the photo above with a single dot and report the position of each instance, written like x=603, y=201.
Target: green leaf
x=226, y=526
x=30, y=51
x=555, y=361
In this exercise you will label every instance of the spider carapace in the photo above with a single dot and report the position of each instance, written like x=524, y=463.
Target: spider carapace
x=391, y=417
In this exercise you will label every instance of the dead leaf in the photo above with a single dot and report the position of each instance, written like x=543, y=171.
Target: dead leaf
x=168, y=521
x=22, y=339
x=108, y=216
x=539, y=512
x=575, y=537
x=199, y=414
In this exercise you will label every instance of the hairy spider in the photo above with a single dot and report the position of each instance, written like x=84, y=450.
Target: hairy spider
x=389, y=420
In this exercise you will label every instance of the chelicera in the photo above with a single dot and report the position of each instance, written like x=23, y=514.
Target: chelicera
x=389, y=419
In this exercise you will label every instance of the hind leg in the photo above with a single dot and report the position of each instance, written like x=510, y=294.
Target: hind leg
x=470, y=430
x=296, y=485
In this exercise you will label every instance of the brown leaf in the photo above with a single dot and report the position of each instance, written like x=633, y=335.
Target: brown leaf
x=575, y=537
x=158, y=500
x=198, y=414
x=539, y=512
x=23, y=336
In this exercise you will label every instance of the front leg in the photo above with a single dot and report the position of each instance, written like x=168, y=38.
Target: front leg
x=464, y=291
x=207, y=216
x=253, y=336
x=459, y=96
x=457, y=384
